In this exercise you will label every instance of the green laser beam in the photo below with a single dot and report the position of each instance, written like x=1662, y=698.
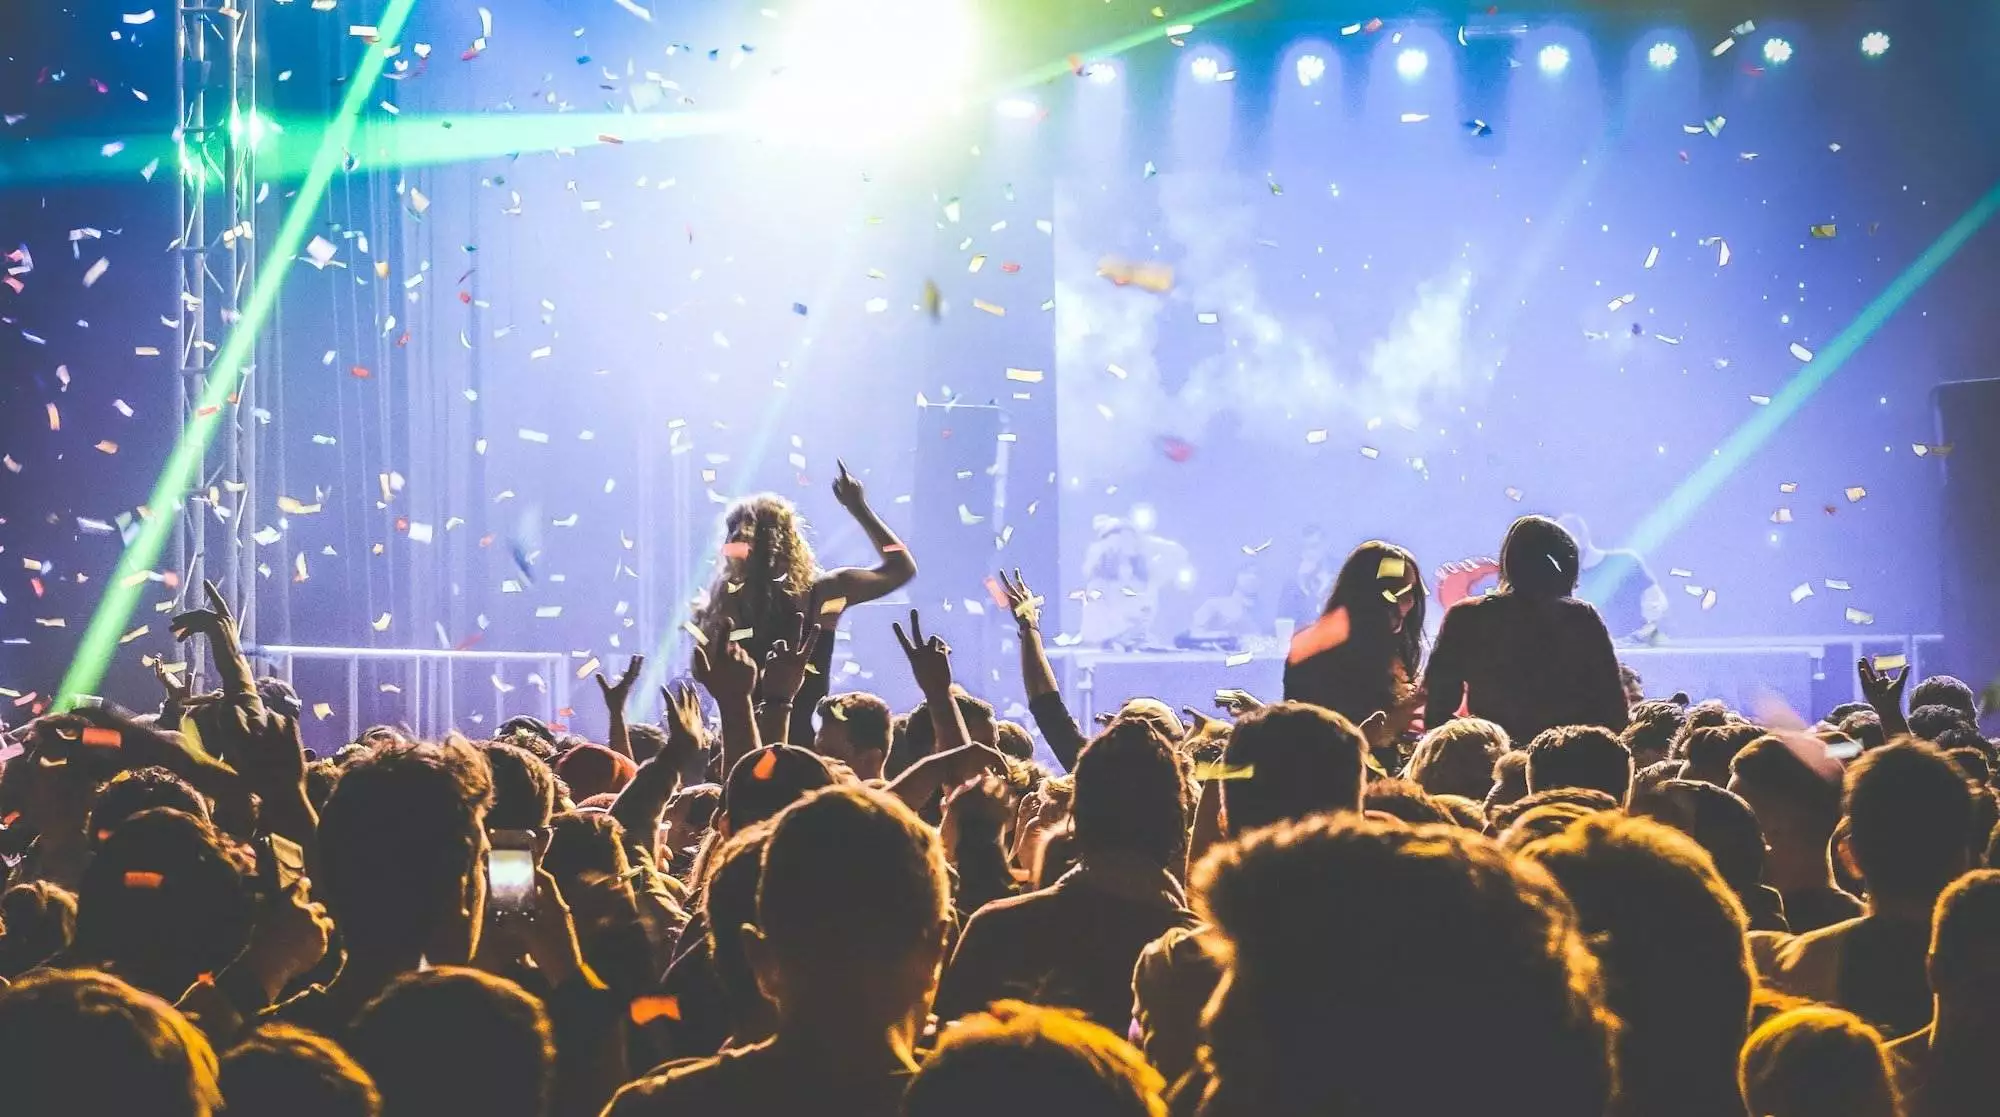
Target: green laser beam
x=121, y=591
x=1057, y=68
x=1688, y=497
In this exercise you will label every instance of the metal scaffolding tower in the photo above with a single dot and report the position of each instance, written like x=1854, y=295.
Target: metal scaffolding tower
x=219, y=129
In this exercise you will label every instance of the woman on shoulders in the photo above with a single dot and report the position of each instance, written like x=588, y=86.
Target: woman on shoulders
x=1528, y=656
x=1360, y=659
x=769, y=577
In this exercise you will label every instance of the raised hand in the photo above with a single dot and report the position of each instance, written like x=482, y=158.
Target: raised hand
x=847, y=490
x=686, y=736
x=1026, y=606
x=1237, y=702
x=1882, y=687
x=727, y=673
x=786, y=663
x=616, y=694
x=215, y=622
x=930, y=660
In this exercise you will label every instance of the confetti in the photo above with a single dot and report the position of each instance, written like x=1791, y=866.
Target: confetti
x=144, y=881
x=1237, y=660
x=381, y=623
x=1855, y=494
x=96, y=272
x=1837, y=584
x=322, y=710
x=1856, y=616
x=701, y=641
x=1801, y=591
x=645, y=1010
x=1207, y=317
x=1708, y=601
x=1801, y=352
x=1823, y=232
x=1025, y=375
x=766, y=766
x=1314, y=437
x=1216, y=770
x=589, y=665
x=990, y=308
x=1782, y=516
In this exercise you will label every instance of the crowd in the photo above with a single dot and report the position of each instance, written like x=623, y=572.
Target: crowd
x=1475, y=876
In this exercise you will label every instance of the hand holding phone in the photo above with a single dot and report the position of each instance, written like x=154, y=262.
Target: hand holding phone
x=510, y=873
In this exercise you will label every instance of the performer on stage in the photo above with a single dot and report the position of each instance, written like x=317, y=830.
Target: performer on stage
x=1361, y=657
x=1120, y=597
x=1625, y=592
x=1308, y=586
x=769, y=577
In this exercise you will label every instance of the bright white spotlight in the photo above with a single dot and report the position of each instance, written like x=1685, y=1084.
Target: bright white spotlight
x=1875, y=44
x=1553, y=59
x=1018, y=108
x=1777, y=51
x=858, y=74
x=1101, y=73
x=1311, y=68
x=1204, y=68
x=1663, y=55
x=1412, y=63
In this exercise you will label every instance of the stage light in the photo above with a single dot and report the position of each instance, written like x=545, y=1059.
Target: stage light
x=1018, y=108
x=1663, y=55
x=1311, y=68
x=1554, y=58
x=1101, y=73
x=1204, y=68
x=1777, y=51
x=865, y=73
x=1875, y=44
x=1412, y=63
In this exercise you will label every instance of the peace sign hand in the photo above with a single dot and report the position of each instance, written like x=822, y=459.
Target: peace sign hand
x=930, y=660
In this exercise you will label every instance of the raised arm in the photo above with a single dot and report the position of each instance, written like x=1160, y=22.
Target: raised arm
x=854, y=585
x=730, y=677
x=1038, y=675
x=1885, y=695
x=785, y=667
x=619, y=736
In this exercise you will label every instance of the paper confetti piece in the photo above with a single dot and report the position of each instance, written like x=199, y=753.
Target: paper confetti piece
x=990, y=308
x=1788, y=486
x=322, y=710
x=96, y=272
x=98, y=737
x=1653, y=257
x=320, y=252
x=1315, y=437
x=1708, y=601
x=1237, y=660
x=1823, y=232
x=1837, y=584
x=766, y=766
x=1216, y=770
x=1856, y=616
x=1722, y=255
x=1782, y=516
x=144, y=881
x=381, y=623
x=1025, y=375
x=645, y=1010
x=1801, y=352
x=589, y=665
x=1801, y=591
x=1855, y=493
x=700, y=639
x=1207, y=317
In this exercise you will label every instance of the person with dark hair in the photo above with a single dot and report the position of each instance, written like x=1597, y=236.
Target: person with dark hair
x=524, y=788
x=1450, y=920
x=402, y=868
x=1456, y=758
x=1907, y=811
x=1012, y=739
x=1865, y=726
x=1706, y=714
x=1650, y=736
x=1530, y=657
x=1670, y=936
x=1947, y=1068
x=1020, y=1058
x=1360, y=658
x=1927, y=723
x=455, y=1040
x=1403, y=801
x=80, y=1042
x=920, y=738
x=1723, y=824
x=767, y=781
x=1945, y=690
x=1074, y=943
x=710, y=985
x=1817, y=1061
x=1588, y=800
x=1580, y=756
x=282, y=1071
x=1283, y=762
x=1510, y=781
x=1797, y=804
x=1710, y=749
x=137, y=789
x=165, y=900
x=854, y=729
x=852, y=917
x=768, y=581
x=37, y=922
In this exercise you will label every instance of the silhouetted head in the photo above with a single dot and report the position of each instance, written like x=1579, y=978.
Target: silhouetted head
x=1538, y=559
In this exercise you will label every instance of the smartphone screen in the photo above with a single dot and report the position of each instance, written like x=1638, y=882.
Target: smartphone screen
x=510, y=881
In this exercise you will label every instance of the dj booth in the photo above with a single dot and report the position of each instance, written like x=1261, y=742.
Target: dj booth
x=1809, y=675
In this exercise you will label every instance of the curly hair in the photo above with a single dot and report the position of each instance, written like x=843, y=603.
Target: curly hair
x=765, y=575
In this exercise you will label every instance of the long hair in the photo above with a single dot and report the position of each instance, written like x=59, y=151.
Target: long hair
x=765, y=574
x=1539, y=559
x=1368, y=587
